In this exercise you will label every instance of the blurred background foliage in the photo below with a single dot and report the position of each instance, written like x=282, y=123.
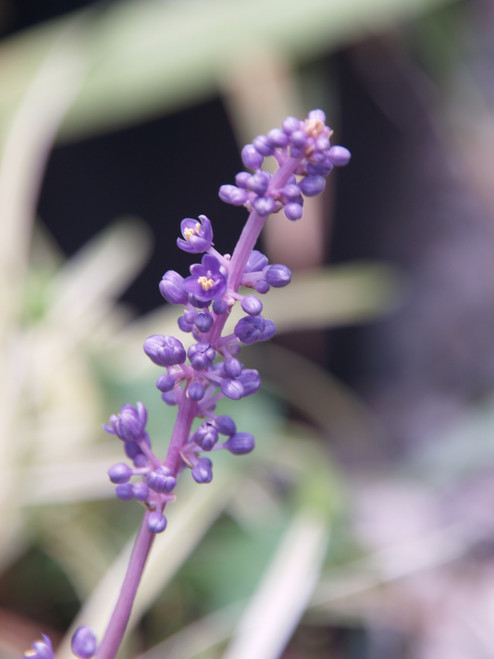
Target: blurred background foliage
x=362, y=526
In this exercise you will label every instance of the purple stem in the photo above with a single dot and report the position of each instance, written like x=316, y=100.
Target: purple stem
x=108, y=647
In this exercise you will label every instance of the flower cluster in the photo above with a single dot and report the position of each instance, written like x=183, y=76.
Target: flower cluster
x=196, y=378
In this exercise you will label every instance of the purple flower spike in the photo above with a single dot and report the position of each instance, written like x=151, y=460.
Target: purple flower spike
x=202, y=472
x=240, y=443
x=83, y=643
x=198, y=236
x=172, y=288
x=164, y=350
x=130, y=424
x=208, y=279
x=40, y=649
x=156, y=522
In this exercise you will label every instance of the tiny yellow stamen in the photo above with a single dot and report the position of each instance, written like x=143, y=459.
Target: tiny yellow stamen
x=205, y=282
x=29, y=653
x=314, y=127
x=188, y=233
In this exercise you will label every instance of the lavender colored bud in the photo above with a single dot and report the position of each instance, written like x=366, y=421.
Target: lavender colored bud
x=240, y=443
x=250, y=381
x=124, y=491
x=160, y=480
x=83, y=643
x=198, y=236
x=256, y=262
x=251, y=305
x=232, y=367
x=165, y=382
x=250, y=157
x=120, y=473
x=140, y=491
x=298, y=139
x=132, y=450
x=232, y=388
x=278, y=275
x=40, y=649
x=184, y=325
x=317, y=115
x=130, y=424
x=201, y=356
x=291, y=124
x=249, y=329
x=258, y=182
x=293, y=211
x=339, y=155
x=263, y=146
x=172, y=288
x=169, y=397
x=204, y=321
x=277, y=137
x=156, y=522
x=242, y=178
x=321, y=168
x=202, y=472
x=140, y=461
x=230, y=194
x=312, y=185
x=164, y=350
x=269, y=330
x=262, y=286
x=206, y=436
x=225, y=425
x=264, y=205
x=220, y=307
x=291, y=191
x=196, y=391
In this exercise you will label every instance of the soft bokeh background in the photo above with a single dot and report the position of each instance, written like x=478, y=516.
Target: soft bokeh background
x=362, y=526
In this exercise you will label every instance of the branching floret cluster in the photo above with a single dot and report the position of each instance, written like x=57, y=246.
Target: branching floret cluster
x=194, y=379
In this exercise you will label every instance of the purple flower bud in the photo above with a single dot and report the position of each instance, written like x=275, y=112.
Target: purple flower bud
x=249, y=329
x=156, y=522
x=278, y=275
x=291, y=124
x=312, y=185
x=198, y=236
x=256, y=262
x=225, y=425
x=202, y=472
x=251, y=305
x=269, y=330
x=41, y=649
x=293, y=211
x=242, y=178
x=232, y=388
x=232, y=367
x=169, y=397
x=196, y=391
x=277, y=137
x=262, y=286
x=258, y=182
x=205, y=436
x=164, y=350
x=250, y=381
x=250, y=157
x=230, y=194
x=184, y=325
x=201, y=356
x=124, y=491
x=298, y=138
x=291, y=191
x=160, y=480
x=220, y=307
x=339, y=155
x=130, y=424
x=203, y=321
x=263, y=146
x=321, y=168
x=83, y=643
x=172, y=288
x=120, y=473
x=240, y=443
x=264, y=205
x=207, y=280
x=165, y=382
x=140, y=491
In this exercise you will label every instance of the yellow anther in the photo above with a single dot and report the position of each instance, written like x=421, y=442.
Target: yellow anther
x=188, y=233
x=205, y=282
